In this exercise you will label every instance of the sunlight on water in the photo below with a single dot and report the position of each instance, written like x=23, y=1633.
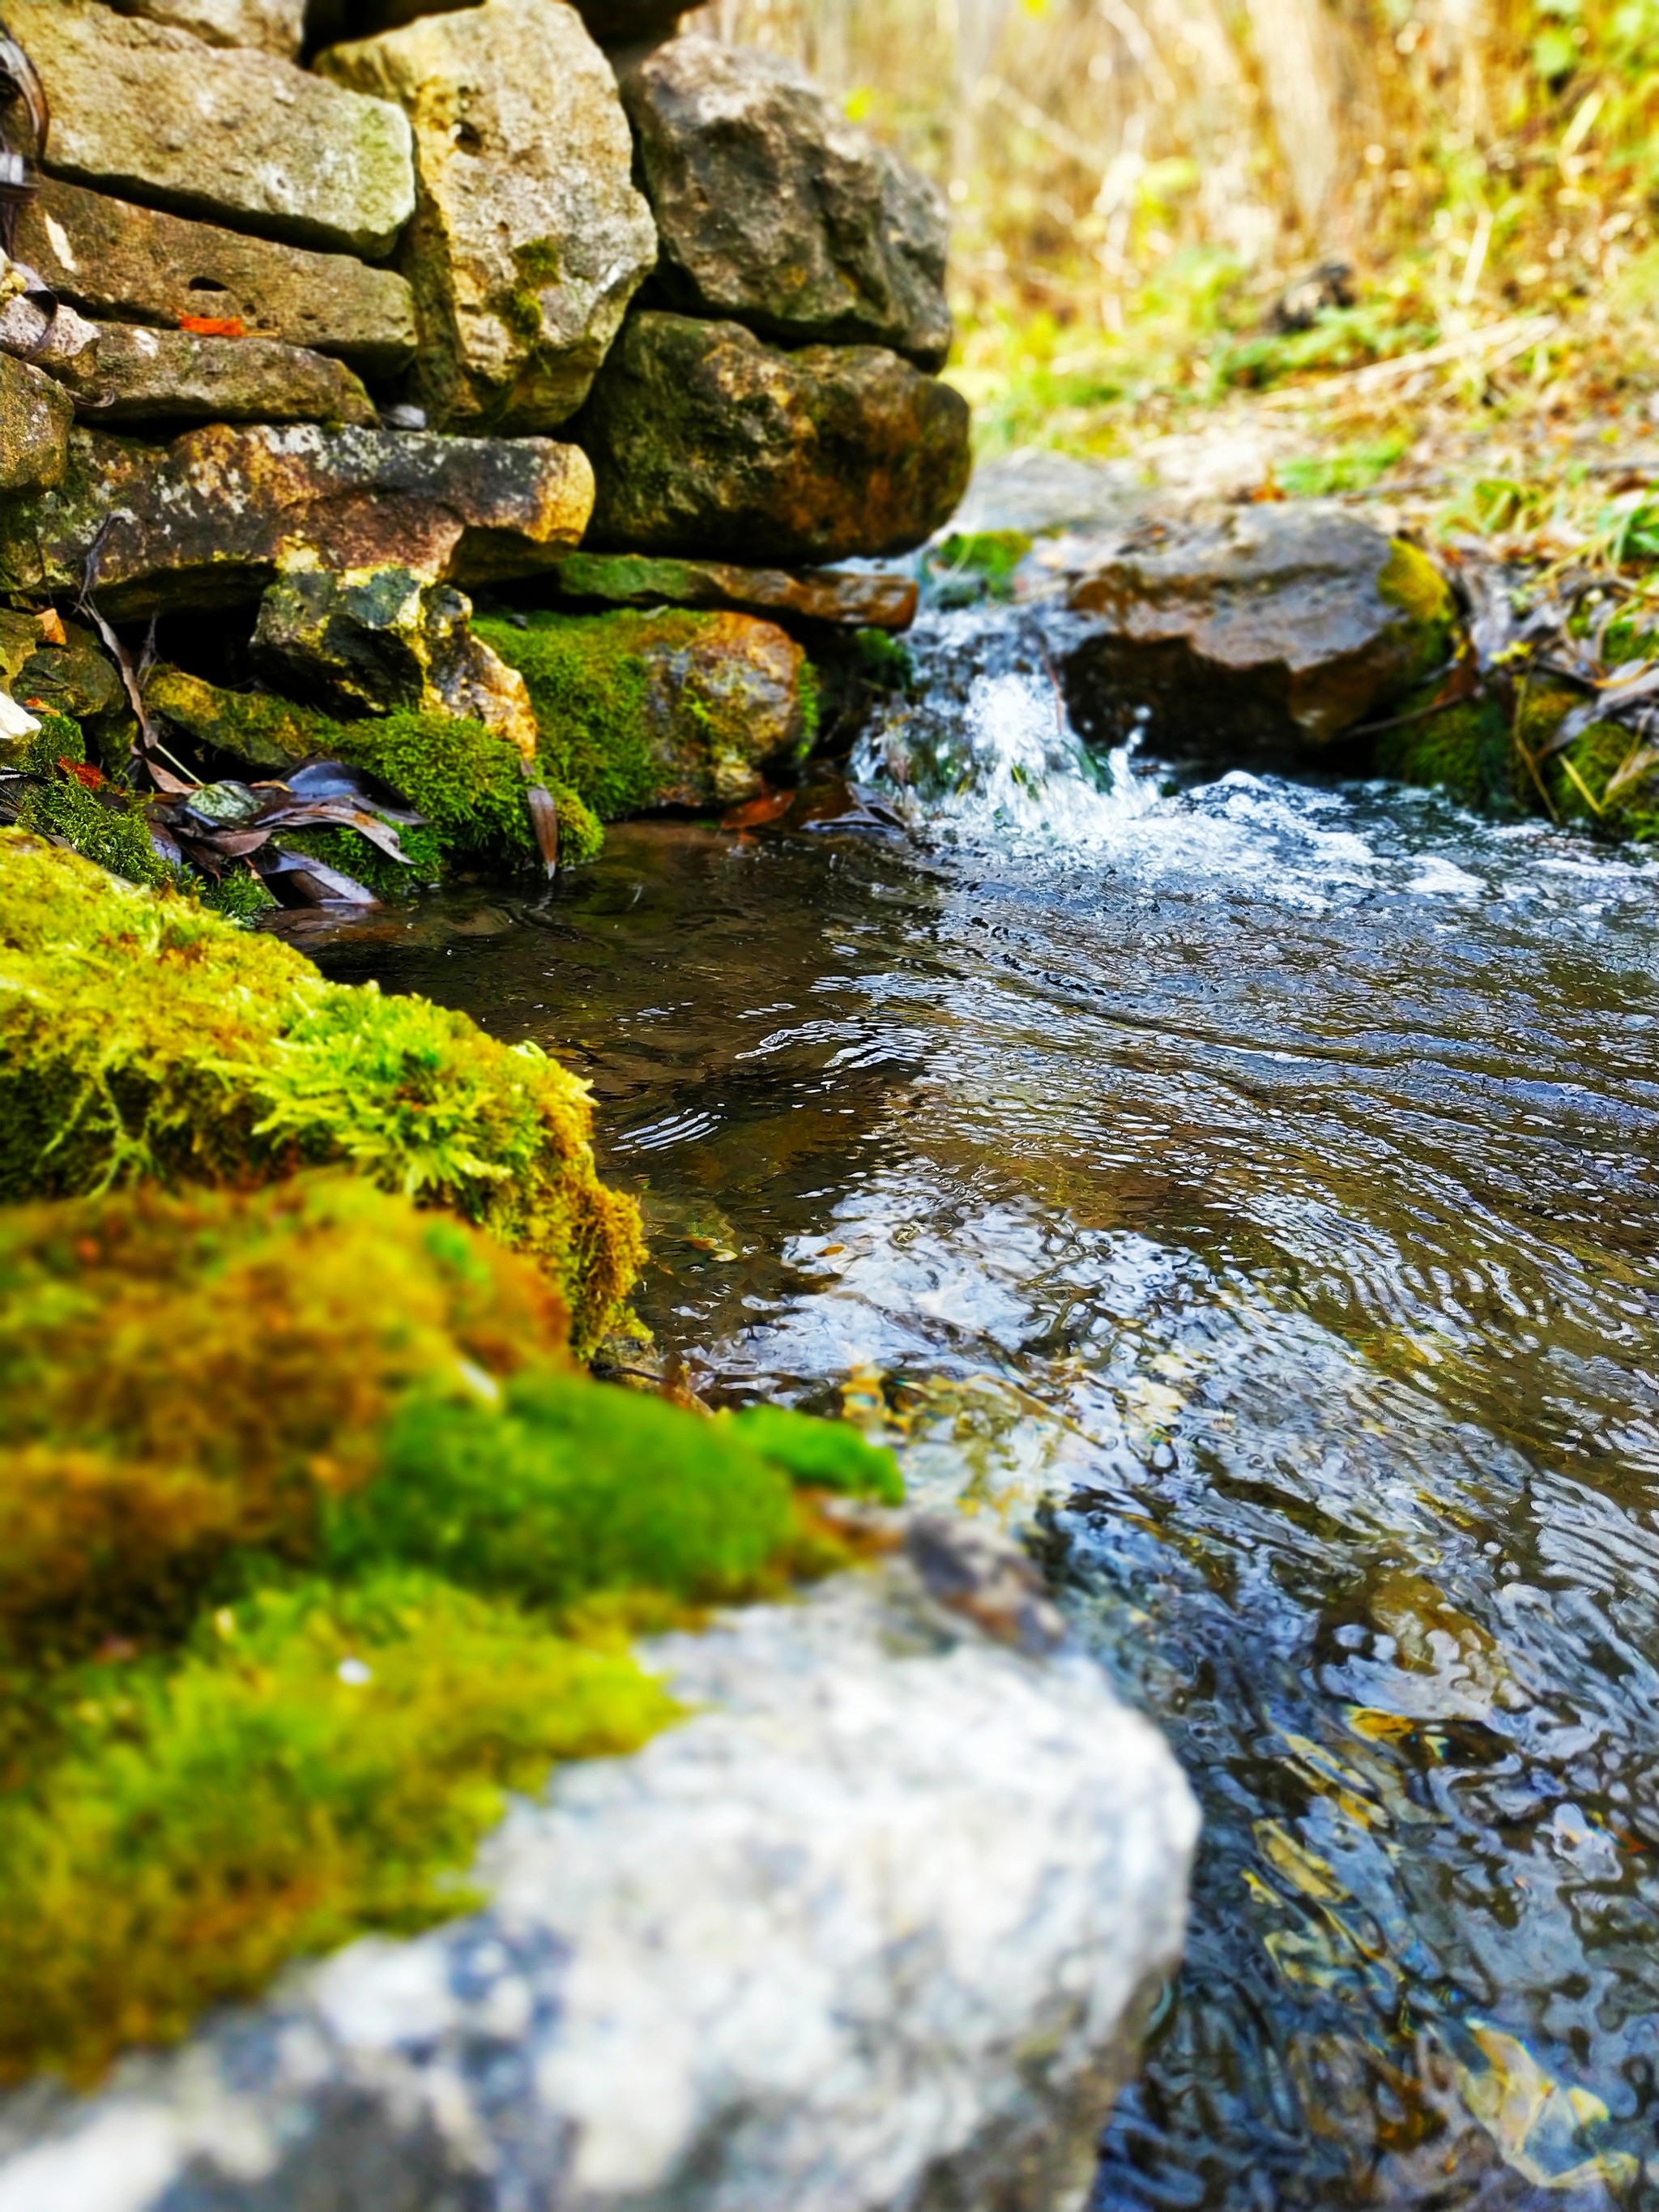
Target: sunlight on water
x=1251, y=1185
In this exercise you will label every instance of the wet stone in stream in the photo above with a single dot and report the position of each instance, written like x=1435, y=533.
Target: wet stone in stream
x=1266, y=1174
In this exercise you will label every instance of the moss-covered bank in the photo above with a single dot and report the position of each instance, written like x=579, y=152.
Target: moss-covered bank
x=312, y=1544
x=143, y=1038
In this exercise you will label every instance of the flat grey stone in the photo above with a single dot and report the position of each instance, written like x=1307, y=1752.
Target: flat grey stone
x=148, y=111
x=128, y=263
x=875, y=1928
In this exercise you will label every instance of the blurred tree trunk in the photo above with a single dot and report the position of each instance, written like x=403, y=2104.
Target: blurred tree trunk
x=1299, y=49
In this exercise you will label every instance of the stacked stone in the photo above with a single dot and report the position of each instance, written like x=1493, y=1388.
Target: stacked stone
x=467, y=290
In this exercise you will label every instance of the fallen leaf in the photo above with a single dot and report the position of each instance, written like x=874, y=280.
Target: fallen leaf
x=213, y=326
x=49, y=624
x=755, y=813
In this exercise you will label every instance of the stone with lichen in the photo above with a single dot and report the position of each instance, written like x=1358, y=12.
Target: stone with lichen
x=208, y=520
x=775, y=211
x=530, y=239
x=374, y=639
x=244, y=137
x=122, y=263
x=36, y=418
x=1284, y=625
x=707, y=440
x=667, y=708
x=132, y=374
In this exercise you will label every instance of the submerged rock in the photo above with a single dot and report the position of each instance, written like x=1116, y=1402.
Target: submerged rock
x=137, y=265
x=1271, y=624
x=276, y=27
x=36, y=418
x=854, y=599
x=776, y=212
x=673, y=709
x=146, y=109
x=707, y=440
x=208, y=520
x=531, y=239
x=132, y=374
x=374, y=640
x=876, y=1927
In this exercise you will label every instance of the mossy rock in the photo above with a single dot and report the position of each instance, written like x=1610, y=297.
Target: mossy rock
x=312, y=1543
x=141, y=1037
x=675, y=708
x=467, y=780
x=1607, y=781
x=1466, y=749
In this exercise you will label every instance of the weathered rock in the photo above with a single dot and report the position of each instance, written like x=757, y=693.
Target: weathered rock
x=875, y=1928
x=673, y=709
x=132, y=374
x=277, y=27
x=1268, y=624
x=531, y=239
x=851, y=600
x=146, y=109
x=130, y=263
x=36, y=418
x=775, y=211
x=208, y=520
x=377, y=639
x=705, y=439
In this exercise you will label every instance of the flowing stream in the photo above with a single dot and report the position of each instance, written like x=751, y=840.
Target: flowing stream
x=1263, y=1172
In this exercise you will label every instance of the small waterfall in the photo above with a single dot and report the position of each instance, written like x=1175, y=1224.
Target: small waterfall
x=986, y=755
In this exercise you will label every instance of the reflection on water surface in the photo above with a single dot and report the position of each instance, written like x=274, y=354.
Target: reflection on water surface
x=1268, y=1174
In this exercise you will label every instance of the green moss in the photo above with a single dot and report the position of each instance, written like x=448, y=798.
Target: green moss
x=539, y=266
x=143, y=1038
x=885, y=662
x=1411, y=582
x=182, y=1377
x=632, y=704
x=524, y=1498
x=311, y=1546
x=353, y=856
x=466, y=780
x=109, y=825
x=204, y=1822
x=825, y=1453
x=1466, y=749
x=1607, y=781
x=978, y=564
x=239, y=895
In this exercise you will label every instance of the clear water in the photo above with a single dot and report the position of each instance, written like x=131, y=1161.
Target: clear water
x=1264, y=1173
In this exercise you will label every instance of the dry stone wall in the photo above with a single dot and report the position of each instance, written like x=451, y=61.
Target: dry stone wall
x=348, y=289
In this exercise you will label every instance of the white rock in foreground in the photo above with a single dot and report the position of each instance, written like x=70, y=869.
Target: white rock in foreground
x=875, y=1928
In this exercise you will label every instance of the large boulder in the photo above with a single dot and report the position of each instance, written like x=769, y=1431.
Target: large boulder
x=776, y=212
x=876, y=1930
x=376, y=640
x=132, y=374
x=208, y=520
x=531, y=239
x=36, y=418
x=1271, y=624
x=279, y=26
x=705, y=439
x=669, y=708
x=135, y=264
x=148, y=110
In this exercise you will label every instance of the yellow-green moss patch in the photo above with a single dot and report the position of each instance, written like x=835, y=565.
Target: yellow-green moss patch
x=141, y=1036
x=311, y=1545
